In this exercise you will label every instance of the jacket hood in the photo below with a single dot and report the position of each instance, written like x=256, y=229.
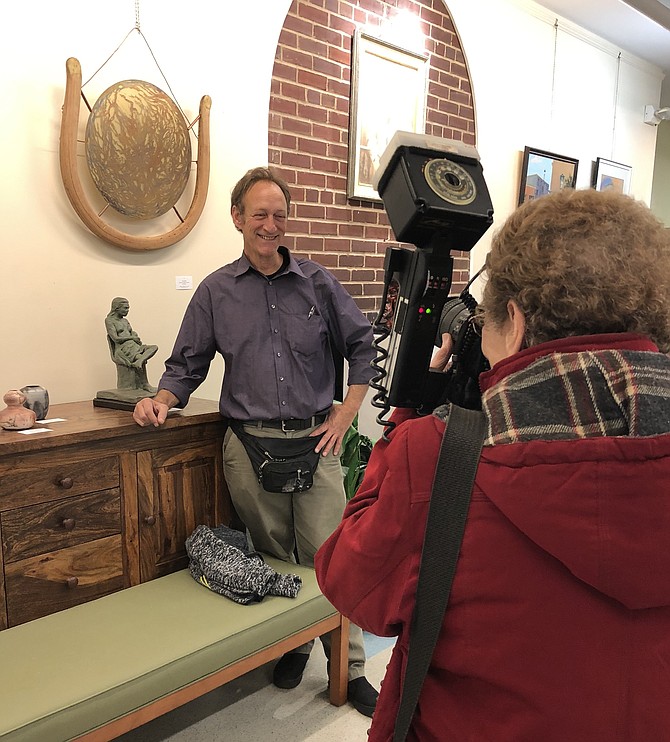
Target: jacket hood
x=600, y=506
x=584, y=469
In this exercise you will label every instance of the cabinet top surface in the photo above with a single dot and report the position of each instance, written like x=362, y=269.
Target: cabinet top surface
x=78, y=422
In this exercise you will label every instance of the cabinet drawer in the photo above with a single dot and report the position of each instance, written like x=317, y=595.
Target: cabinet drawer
x=60, y=579
x=39, y=482
x=38, y=529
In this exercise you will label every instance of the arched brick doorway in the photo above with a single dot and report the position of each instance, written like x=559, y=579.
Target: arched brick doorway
x=309, y=128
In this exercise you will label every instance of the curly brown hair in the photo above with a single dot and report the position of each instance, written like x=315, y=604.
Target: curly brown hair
x=250, y=178
x=581, y=262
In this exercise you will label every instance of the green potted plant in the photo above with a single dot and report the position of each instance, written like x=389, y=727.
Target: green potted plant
x=356, y=450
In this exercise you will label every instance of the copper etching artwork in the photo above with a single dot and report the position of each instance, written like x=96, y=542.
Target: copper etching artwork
x=139, y=155
x=138, y=149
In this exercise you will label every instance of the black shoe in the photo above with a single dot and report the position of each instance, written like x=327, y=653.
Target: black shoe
x=288, y=671
x=362, y=696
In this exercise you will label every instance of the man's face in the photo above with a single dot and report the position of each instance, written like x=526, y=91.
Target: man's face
x=262, y=221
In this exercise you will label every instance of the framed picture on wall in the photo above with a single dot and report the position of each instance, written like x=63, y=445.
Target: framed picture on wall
x=545, y=172
x=388, y=94
x=611, y=176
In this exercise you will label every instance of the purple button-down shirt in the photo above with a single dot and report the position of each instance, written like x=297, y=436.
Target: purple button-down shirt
x=274, y=334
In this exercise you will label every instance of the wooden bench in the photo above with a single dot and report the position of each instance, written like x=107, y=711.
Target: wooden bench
x=98, y=670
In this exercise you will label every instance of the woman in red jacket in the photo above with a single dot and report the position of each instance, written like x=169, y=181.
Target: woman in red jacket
x=558, y=625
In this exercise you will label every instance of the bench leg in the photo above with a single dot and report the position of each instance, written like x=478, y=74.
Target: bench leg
x=339, y=663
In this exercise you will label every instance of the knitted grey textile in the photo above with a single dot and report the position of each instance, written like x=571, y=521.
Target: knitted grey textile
x=233, y=537
x=225, y=569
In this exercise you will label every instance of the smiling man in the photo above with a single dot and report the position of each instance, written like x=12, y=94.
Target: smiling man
x=275, y=318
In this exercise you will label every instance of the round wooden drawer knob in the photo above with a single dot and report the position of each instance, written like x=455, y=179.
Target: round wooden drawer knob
x=65, y=483
x=68, y=523
x=72, y=582
x=150, y=520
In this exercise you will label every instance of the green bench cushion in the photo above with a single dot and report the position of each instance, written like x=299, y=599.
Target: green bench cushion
x=72, y=671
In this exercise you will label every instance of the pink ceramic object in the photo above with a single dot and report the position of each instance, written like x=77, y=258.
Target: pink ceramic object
x=15, y=416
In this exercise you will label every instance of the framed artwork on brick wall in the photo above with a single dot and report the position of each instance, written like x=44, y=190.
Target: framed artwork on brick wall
x=545, y=172
x=611, y=176
x=388, y=94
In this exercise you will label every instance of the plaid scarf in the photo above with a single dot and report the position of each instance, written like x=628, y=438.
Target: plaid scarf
x=564, y=396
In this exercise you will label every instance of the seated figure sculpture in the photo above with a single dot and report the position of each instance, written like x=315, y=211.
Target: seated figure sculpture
x=129, y=354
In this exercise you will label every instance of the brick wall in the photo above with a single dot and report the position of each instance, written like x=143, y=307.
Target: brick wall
x=309, y=129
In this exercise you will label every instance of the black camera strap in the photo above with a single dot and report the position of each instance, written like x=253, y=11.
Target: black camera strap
x=452, y=487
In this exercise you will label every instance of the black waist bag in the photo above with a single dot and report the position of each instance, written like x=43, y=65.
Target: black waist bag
x=281, y=464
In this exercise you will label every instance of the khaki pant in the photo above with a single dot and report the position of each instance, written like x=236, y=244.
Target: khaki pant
x=289, y=526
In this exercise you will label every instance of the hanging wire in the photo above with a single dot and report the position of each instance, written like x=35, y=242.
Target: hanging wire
x=153, y=56
x=109, y=57
x=553, y=71
x=616, y=103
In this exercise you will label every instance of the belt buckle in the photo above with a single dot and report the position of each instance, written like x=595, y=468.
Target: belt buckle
x=283, y=426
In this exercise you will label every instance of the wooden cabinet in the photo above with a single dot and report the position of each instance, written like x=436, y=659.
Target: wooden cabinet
x=61, y=553
x=177, y=488
x=97, y=503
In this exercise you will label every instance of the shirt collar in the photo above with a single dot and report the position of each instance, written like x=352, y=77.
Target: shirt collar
x=243, y=264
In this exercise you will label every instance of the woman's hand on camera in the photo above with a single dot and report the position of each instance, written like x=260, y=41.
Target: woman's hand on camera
x=441, y=359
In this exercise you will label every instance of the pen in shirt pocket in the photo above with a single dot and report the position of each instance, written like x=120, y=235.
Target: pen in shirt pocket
x=311, y=312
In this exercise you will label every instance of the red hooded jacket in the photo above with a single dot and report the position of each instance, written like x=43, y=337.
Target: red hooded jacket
x=558, y=625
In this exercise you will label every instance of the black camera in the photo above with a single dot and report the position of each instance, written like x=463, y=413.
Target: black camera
x=436, y=198
x=461, y=385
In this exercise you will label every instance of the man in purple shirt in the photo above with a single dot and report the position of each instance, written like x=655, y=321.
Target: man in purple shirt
x=274, y=318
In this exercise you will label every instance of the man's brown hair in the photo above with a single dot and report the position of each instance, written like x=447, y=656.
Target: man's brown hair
x=250, y=178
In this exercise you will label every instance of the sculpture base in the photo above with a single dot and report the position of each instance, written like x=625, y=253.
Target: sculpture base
x=115, y=404
x=122, y=399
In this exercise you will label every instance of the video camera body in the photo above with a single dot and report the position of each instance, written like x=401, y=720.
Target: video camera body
x=436, y=198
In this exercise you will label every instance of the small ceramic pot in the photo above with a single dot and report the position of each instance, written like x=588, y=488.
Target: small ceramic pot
x=15, y=416
x=37, y=400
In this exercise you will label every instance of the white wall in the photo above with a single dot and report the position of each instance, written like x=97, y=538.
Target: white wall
x=553, y=90
x=58, y=279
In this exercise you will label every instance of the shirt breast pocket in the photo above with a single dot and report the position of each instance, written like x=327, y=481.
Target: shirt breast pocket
x=308, y=336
